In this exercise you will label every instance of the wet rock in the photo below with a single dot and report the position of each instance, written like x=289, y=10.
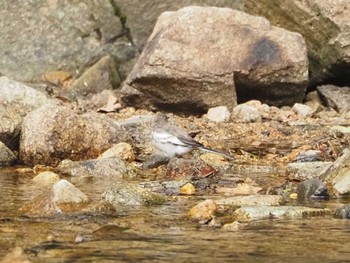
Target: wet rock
x=246, y=113
x=305, y=170
x=16, y=101
x=234, y=226
x=203, y=211
x=85, y=33
x=219, y=114
x=188, y=189
x=251, y=200
x=302, y=110
x=335, y=97
x=326, y=35
x=46, y=178
x=62, y=197
x=336, y=177
x=173, y=58
x=129, y=194
x=101, y=76
x=104, y=168
x=246, y=213
x=121, y=150
x=188, y=168
x=55, y=132
x=343, y=212
x=312, y=188
x=155, y=160
x=246, y=188
x=17, y=255
x=7, y=157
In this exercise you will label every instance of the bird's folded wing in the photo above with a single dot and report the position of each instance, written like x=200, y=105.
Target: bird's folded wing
x=164, y=137
x=189, y=141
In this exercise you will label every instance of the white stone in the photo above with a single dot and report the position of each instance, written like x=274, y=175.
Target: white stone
x=219, y=114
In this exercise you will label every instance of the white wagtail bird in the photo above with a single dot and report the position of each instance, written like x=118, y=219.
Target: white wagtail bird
x=174, y=141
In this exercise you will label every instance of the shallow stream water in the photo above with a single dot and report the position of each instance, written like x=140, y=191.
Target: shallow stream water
x=161, y=234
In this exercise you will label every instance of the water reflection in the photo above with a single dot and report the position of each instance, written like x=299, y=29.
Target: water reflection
x=161, y=234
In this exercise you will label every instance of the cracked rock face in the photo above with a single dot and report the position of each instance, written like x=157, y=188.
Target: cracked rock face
x=197, y=57
x=41, y=36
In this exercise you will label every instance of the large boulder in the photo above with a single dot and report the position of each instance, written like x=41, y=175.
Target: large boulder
x=196, y=57
x=16, y=101
x=57, y=131
x=325, y=26
x=65, y=35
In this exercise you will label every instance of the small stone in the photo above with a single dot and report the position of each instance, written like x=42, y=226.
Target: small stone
x=219, y=114
x=203, y=211
x=7, y=157
x=188, y=189
x=240, y=189
x=121, y=150
x=246, y=113
x=302, y=110
x=46, y=178
x=234, y=226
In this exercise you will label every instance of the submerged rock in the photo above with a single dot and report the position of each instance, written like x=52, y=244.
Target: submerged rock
x=251, y=200
x=260, y=212
x=343, y=212
x=203, y=211
x=130, y=194
x=103, y=168
x=62, y=197
x=46, y=178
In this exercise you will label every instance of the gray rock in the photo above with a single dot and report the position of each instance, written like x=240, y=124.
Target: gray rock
x=335, y=97
x=104, y=168
x=129, y=194
x=189, y=68
x=219, y=114
x=62, y=197
x=67, y=35
x=336, y=177
x=55, y=132
x=326, y=33
x=312, y=188
x=143, y=15
x=246, y=113
x=251, y=200
x=305, y=170
x=7, y=157
x=343, y=212
x=101, y=76
x=247, y=213
x=302, y=110
x=16, y=101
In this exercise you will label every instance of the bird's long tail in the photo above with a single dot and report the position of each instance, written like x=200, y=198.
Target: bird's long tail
x=206, y=149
